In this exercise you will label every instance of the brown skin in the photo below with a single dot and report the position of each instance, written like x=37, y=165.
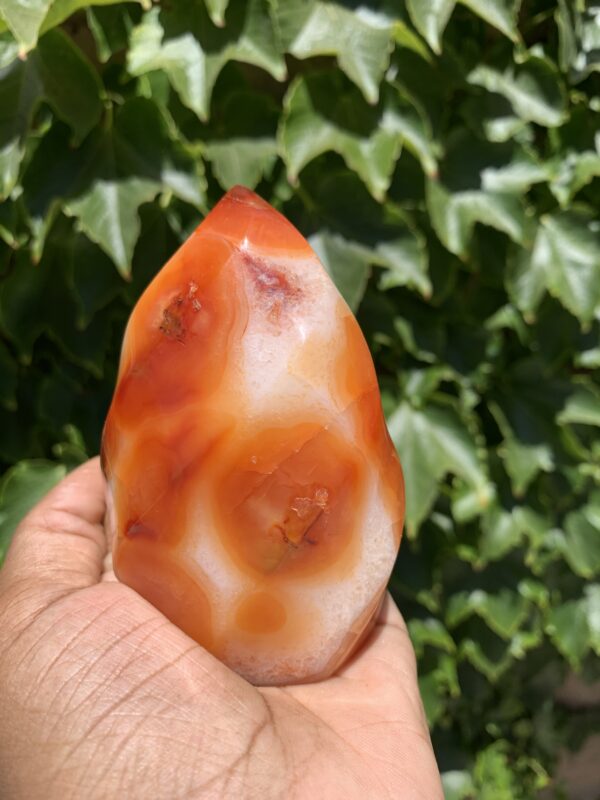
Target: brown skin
x=102, y=697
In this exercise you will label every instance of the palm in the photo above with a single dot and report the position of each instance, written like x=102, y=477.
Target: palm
x=133, y=707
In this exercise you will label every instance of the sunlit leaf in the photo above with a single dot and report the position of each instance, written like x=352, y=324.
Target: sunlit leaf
x=532, y=87
x=432, y=442
x=430, y=17
x=179, y=41
x=360, y=39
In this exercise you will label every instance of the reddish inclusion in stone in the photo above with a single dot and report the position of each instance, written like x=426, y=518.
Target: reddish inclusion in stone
x=286, y=499
x=297, y=514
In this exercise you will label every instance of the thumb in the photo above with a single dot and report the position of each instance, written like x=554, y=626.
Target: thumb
x=60, y=545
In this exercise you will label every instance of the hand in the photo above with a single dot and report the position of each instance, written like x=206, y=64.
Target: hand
x=102, y=697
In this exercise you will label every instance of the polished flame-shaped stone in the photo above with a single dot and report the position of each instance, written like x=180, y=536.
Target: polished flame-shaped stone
x=256, y=497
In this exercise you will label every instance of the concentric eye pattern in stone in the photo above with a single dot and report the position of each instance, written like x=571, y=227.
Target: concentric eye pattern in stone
x=256, y=497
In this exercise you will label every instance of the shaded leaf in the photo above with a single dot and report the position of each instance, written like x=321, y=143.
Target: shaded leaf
x=524, y=462
x=35, y=300
x=9, y=48
x=105, y=181
x=564, y=260
x=110, y=26
x=8, y=379
x=56, y=72
x=21, y=488
x=385, y=235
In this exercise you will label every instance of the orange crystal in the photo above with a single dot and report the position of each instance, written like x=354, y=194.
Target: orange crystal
x=256, y=496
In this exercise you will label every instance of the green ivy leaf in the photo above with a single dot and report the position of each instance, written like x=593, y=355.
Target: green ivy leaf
x=145, y=146
x=346, y=262
x=430, y=633
x=57, y=72
x=564, y=260
x=574, y=626
x=182, y=42
x=217, y=9
x=582, y=543
x=9, y=48
x=436, y=686
x=360, y=39
x=91, y=277
x=384, y=236
x=405, y=259
x=242, y=161
x=412, y=123
x=105, y=182
x=524, y=462
x=502, y=14
x=504, y=612
x=324, y=112
x=582, y=407
x=579, y=39
x=501, y=532
x=248, y=153
x=493, y=775
x=24, y=18
x=432, y=442
x=494, y=118
x=108, y=214
x=454, y=214
x=110, y=27
x=574, y=170
x=35, y=299
x=21, y=488
x=60, y=10
x=516, y=172
x=430, y=18
x=532, y=87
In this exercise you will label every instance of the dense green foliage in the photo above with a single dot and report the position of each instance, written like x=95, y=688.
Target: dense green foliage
x=444, y=159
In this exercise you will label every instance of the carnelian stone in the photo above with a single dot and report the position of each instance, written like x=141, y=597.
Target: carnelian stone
x=256, y=498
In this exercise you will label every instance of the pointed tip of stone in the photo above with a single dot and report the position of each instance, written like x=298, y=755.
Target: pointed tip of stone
x=251, y=223
x=241, y=194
